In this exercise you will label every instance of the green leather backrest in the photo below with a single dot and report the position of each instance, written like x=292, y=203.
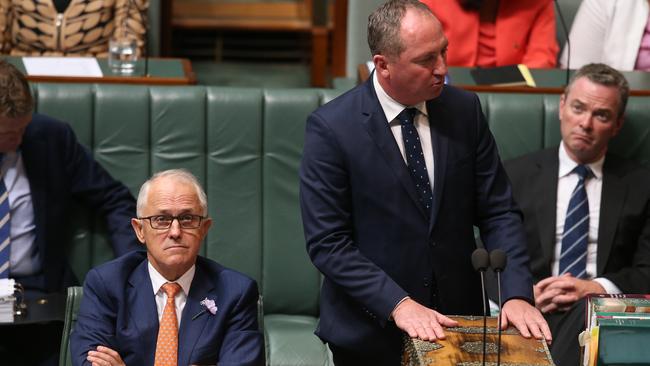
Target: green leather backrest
x=244, y=146
x=523, y=123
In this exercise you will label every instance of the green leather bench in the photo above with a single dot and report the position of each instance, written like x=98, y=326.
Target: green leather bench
x=245, y=146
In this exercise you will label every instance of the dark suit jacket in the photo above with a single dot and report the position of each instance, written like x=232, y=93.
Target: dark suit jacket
x=368, y=234
x=61, y=171
x=118, y=310
x=623, y=254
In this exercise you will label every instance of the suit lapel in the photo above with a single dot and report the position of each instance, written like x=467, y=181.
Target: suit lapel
x=439, y=144
x=142, y=305
x=611, y=203
x=546, y=200
x=191, y=329
x=378, y=128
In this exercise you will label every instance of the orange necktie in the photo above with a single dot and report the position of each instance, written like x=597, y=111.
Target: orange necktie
x=167, y=344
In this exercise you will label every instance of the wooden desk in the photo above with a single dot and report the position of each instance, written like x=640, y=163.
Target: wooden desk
x=162, y=71
x=549, y=81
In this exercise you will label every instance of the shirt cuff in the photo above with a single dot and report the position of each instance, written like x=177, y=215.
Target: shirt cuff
x=608, y=285
x=390, y=317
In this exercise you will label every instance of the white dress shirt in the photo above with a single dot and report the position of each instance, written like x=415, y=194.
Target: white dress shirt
x=567, y=181
x=24, y=258
x=157, y=280
x=391, y=109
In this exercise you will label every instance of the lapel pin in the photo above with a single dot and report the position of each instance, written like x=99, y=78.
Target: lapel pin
x=208, y=305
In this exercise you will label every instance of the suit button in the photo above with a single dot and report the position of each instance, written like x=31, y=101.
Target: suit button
x=433, y=243
x=425, y=282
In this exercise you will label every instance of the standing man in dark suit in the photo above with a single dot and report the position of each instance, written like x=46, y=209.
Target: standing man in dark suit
x=395, y=174
x=170, y=306
x=44, y=169
x=612, y=253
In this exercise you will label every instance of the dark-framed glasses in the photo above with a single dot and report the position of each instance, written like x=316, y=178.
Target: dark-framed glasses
x=162, y=222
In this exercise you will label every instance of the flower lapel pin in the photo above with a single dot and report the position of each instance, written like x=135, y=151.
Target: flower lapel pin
x=208, y=305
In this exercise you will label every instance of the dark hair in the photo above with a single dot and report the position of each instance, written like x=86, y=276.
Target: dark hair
x=15, y=95
x=384, y=26
x=603, y=75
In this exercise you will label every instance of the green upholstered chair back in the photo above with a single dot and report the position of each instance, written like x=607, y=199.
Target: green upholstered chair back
x=71, y=308
x=244, y=146
x=523, y=123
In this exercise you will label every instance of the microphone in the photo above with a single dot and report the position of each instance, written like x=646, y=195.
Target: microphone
x=568, y=41
x=498, y=260
x=481, y=262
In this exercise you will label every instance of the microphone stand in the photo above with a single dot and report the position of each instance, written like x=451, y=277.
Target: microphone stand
x=498, y=260
x=481, y=261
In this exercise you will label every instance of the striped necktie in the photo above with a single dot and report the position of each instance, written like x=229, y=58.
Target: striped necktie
x=415, y=158
x=573, y=257
x=5, y=227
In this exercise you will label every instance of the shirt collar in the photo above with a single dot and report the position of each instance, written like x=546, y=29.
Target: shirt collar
x=389, y=105
x=157, y=280
x=567, y=164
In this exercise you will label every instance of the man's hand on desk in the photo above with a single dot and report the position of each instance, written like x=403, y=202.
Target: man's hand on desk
x=526, y=318
x=421, y=322
x=559, y=293
x=104, y=356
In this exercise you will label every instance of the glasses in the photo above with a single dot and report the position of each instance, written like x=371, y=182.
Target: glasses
x=186, y=221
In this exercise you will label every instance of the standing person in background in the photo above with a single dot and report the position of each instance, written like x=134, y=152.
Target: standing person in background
x=490, y=33
x=44, y=171
x=395, y=174
x=613, y=32
x=586, y=211
x=69, y=27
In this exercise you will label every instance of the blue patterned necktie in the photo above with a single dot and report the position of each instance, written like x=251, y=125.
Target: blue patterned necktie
x=573, y=257
x=415, y=158
x=5, y=227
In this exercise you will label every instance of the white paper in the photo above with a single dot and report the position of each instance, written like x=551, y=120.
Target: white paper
x=6, y=287
x=62, y=66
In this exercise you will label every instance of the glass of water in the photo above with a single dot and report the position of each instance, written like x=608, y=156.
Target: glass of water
x=122, y=55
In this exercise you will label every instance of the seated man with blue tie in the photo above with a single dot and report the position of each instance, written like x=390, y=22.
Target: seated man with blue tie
x=44, y=170
x=586, y=211
x=169, y=306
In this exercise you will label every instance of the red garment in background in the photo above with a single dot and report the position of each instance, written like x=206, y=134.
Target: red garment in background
x=525, y=32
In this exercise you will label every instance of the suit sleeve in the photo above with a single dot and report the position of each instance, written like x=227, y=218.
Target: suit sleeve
x=96, y=320
x=629, y=264
x=542, y=48
x=326, y=203
x=498, y=217
x=243, y=344
x=91, y=183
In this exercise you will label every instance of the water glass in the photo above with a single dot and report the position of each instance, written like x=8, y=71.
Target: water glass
x=122, y=55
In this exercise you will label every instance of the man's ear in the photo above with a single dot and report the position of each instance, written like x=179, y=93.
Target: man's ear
x=381, y=65
x=137, y=227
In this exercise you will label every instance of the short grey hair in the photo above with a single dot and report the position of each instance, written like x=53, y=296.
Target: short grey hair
x=603, y=75
x=179, y=174
x=385, y=23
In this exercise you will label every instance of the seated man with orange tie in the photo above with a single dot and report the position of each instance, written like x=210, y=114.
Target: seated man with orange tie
x=170, y=306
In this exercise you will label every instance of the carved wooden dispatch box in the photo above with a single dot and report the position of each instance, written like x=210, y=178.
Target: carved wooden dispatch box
x=463, y=346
